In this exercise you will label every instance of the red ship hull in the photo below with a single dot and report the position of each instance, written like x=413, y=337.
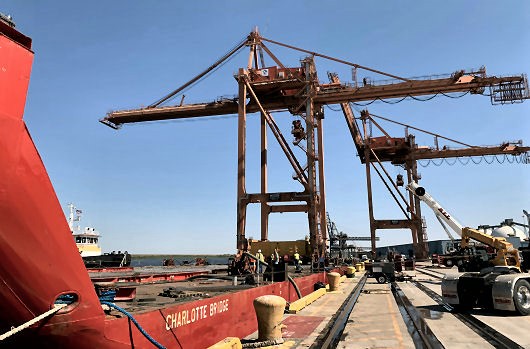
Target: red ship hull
x=40, y=261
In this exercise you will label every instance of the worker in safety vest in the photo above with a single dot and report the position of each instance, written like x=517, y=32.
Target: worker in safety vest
x=261, y=259
x=297, y=261
x=276, y=256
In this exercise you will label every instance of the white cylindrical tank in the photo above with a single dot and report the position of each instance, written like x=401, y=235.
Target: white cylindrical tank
x=508, y=231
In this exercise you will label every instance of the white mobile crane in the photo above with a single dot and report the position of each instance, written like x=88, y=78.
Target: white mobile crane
x=500, y=285
x=455, y=255
x=468, y=257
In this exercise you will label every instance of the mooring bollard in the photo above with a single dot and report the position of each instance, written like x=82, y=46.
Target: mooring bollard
x=358, y=266
x=350, y=272
x=333, y=281
x=269, y=311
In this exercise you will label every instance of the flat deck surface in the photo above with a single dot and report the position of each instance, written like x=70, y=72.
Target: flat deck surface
x=374, y=323
x=148, y=296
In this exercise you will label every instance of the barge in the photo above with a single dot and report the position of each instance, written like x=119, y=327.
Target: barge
x=47, y=298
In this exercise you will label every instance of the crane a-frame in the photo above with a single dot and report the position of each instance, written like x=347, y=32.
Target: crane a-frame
x=298, y=90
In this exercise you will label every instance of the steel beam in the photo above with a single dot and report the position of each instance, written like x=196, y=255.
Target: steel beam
x=288, y=208
x=291, y=196
x=241, y=164
x=322, y=97
x=264, y=206
x=394, y=223
x=411, y=88
x=321, y=181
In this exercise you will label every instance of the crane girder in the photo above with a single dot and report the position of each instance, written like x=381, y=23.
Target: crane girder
x=278, y=95
x=224, y=107
x=116, y=118
x=476, y=85
x=402, y=152
x=424, y=154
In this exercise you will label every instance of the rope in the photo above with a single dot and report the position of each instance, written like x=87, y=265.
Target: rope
x=56, y=308
x=142, y=331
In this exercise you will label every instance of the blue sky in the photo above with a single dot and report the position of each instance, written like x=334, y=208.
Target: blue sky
x=170, y=187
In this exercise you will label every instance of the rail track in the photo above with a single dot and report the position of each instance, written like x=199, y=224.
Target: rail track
x=419, y=330
x=492, y=336
x=334, y=331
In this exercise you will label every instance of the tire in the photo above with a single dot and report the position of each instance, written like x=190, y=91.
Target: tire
x=521, y=297
x=448, y=263
x=381, y=278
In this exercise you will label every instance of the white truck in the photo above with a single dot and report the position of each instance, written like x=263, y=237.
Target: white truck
x=500, y=286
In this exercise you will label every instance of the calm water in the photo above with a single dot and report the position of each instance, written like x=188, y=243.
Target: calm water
x=155, y=260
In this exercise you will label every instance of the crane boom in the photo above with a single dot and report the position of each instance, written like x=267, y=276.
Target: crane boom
x=438, y=210
x=275, y=95
x=506, y=255
x=473, y=84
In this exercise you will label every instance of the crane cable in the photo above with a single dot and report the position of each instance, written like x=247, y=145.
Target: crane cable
x=523, y=158
x=378, y=99
x=234, y=50
x=421, y=130
x=333, y=59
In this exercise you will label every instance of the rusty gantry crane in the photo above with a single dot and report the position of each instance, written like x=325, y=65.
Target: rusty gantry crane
x=297, y=90
x=404, y=152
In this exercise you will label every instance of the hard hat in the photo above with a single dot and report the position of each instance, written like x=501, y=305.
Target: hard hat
x=259, y=250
